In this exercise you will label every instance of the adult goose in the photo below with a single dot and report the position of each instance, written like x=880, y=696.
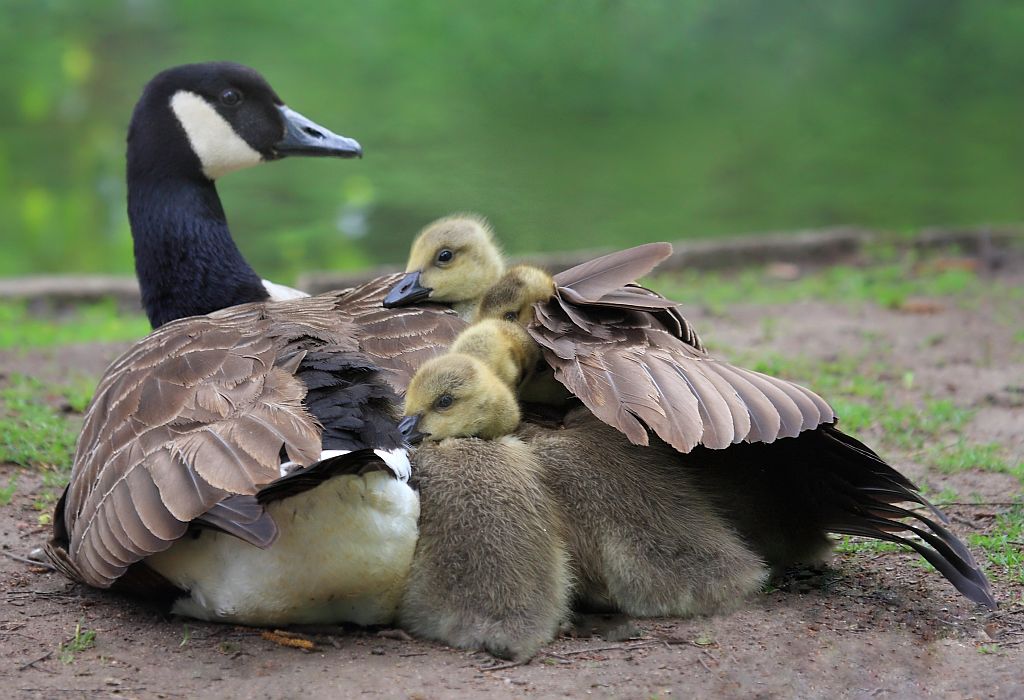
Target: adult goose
x=776, y=461
x=246, y=462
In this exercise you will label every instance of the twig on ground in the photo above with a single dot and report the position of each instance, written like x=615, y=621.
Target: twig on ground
x=502, y=667
x=33, y=662
x=288, y=639
x=959, y=519
x=30, y=562
x=621, y=647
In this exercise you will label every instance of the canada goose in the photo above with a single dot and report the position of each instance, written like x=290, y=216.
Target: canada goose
x=642, y=538
x=455, y=257
x=622, y=349
x=246, y=462
x=491, y=569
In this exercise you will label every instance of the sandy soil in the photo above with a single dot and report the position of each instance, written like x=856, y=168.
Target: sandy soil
x=873, y=625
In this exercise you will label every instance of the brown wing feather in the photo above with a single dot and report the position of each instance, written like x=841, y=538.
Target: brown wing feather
x=593, y=279
x=198, y=412
x=635, y=368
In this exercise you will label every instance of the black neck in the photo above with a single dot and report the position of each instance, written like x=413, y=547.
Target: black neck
x=185, y=259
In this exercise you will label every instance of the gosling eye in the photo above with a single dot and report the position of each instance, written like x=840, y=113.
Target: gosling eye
x=511, y=316
x=445, y=256
x=230, y=97
x=444, y=401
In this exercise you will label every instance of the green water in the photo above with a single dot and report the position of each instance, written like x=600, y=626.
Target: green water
x=569, y=124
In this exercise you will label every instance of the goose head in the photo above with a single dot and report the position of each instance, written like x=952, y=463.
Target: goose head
x=453, y=260
x=456, y=395
x=210, y=119
x=506, y=348
x=512, y=297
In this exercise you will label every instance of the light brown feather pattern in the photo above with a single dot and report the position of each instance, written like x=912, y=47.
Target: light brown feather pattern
x=201, y=408
x=636, y=363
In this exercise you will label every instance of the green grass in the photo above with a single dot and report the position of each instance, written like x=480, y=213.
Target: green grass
x=1004, y=546
x=966, y=455
x=32, y=432
x=82, y=640
x=854, y=545
x=888, y=284
x=100, y=322
x=7, y=492
x=37, y=435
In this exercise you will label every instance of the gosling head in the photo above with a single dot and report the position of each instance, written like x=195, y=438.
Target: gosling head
x=453, y=260
x=455, y=395
x=512, y=297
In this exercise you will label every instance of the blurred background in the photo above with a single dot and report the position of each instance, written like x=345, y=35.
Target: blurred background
x=569, y=124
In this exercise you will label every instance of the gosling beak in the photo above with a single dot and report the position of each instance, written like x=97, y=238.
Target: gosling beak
x=407, y=427
x=407, y=291
x=304, y=137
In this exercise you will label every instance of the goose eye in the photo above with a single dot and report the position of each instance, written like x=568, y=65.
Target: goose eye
x=444, y=401
x=511, y=316
x=230, y=97
x=445, y=256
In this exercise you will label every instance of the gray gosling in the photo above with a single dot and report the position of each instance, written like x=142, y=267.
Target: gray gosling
x=644, y=536
x=491, y=569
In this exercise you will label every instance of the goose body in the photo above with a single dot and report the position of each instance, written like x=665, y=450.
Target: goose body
x=783, y=474
x=343, y=553
x=243, y=458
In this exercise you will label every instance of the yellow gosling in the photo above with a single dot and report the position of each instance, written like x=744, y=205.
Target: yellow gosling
x=457, y=395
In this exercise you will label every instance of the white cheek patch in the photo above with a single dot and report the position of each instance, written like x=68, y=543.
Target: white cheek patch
x=219, y=148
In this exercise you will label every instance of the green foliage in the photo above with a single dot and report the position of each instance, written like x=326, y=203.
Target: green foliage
x=966, y=455
x=570, y=124
x=848, y=544
x=7, y=492
x=1003, y=547
x=887, y=285
x=82, y=640
x=21, y=328
x=913, y=426
x=32, y=432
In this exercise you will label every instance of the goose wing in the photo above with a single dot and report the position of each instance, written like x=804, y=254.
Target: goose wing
x=398, y=340
x=197, y=411
x=191, y=423
x=610, y=281
x=632, y=358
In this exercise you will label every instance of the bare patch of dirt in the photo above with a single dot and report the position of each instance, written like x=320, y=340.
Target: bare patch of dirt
x=876, y=624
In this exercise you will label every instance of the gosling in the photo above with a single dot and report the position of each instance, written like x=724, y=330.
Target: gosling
x=491, y=569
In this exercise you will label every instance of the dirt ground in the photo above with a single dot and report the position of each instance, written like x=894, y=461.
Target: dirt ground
x=873, y=625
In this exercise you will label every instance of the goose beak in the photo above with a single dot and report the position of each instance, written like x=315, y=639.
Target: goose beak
x=407, y=427
x=304, y=137
x=407, y=291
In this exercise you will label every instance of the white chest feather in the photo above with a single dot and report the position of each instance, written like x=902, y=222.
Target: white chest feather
x=342, y=555
x=219, y=148
x=279, y=292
